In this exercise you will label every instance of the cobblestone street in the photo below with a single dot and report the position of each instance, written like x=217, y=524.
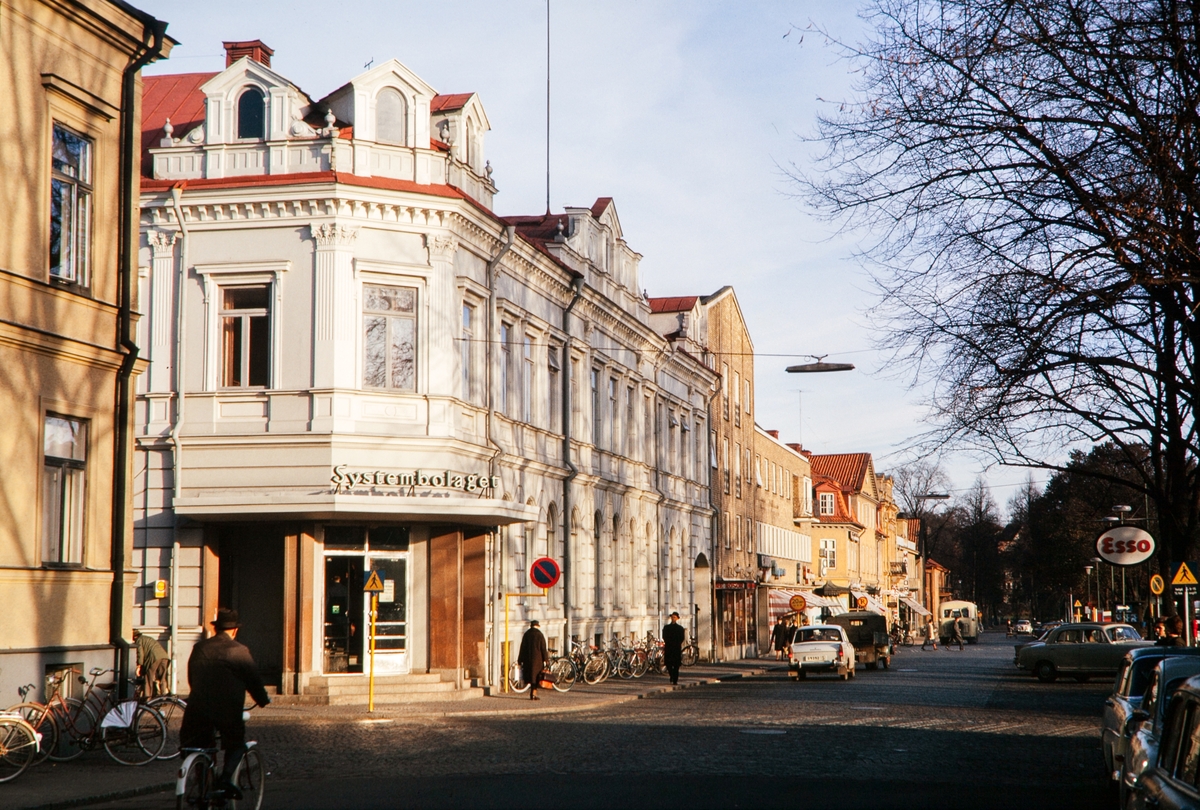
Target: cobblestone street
x=940, y=729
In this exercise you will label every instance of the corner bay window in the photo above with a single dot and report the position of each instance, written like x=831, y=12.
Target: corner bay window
x=65, y=451
x=70, y=206
x=390, y=338
x=245, y=337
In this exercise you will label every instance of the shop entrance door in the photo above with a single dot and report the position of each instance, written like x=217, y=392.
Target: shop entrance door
x=391, y=624
x=345, y=608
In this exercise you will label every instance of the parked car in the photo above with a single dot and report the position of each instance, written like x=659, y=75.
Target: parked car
x=1169, y=783
x=1132, y=679
x=1145, y=725
x=1023, y=627
x=952, y=611
x=821, y=648
x=868, y=633
x=1081, y=650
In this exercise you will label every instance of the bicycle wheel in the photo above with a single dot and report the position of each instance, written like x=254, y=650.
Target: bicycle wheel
x=625, y=667
x=251, y=779
x=690, y=655
x=138, y=743
x=41, y=719
x=563, y=672
x=18, y=746
x=595, y=670
x=75, y=727
x=640, y=663
x=516, y=679
x=171, y=709
x=197, y=783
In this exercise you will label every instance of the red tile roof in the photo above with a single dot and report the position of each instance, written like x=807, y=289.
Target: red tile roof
x=600, y=205
x=452, y=101
x=681, y=303
x=538, y=230
x=176, y=96
x=848, y=469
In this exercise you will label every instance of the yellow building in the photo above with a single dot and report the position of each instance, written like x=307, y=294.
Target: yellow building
x=68, y=192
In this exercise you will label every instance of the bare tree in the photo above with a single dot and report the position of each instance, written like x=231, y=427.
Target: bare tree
x=1033, y=169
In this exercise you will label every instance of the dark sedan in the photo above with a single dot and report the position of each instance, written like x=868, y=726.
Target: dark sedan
x=1080, y=650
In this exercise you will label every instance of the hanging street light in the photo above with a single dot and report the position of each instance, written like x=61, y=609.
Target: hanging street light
x=819, y=366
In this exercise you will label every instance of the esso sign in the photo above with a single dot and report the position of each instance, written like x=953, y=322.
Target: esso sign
x=1125, y=545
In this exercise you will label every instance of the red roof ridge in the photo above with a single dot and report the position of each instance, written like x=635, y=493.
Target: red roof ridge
x=449, y=101
x=678, y=303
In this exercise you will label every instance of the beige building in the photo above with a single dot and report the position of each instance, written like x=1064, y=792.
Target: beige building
x=67, y=190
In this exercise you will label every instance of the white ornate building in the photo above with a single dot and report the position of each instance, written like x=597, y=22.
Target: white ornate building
x=354, y=365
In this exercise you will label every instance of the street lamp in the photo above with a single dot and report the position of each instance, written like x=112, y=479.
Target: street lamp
x=819, y=366
x=1096, y=562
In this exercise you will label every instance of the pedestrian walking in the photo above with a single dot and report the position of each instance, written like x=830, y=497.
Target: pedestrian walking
x=672, y=635
x=930, y=634
x=533, y=657
x=956, y=632
x=220, y=673
x=781, y=636
x=153, y=664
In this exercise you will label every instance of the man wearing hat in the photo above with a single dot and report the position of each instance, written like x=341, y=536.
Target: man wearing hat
x=533, y=657
x=220, y=672
x=672, y=635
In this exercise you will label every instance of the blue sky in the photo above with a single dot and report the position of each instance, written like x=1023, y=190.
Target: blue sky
x=684, y=113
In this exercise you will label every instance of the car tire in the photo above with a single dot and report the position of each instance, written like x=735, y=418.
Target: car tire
x=802, y=676
x=1045, y=672
x=887, y=663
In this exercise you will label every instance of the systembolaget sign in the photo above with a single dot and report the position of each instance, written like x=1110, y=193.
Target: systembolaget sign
x=344, y=480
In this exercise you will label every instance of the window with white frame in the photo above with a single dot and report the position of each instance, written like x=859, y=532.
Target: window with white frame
x=827, y=503
x=746, y=395
x=613, y=413
x=828, y=552
x=527, y=380
x=505, y=367
x=70, y=206
x=554, y=381
x=467, y=352
x=725, y=389
x=390, y=338
x=252, y=114
x=246, y=336
x=737, y=399
x=390, y=116
x=64, y=451
x=597, y=415
x=725, y=463
x=737, y=468
x=630, y=422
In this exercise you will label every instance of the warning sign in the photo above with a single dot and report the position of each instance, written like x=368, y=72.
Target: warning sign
x=1183, y=575
x=374, y=583
x=1078, y=603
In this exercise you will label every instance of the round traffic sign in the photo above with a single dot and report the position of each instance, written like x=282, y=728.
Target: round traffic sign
x=797, y=603
x=862, y=603
x=544, y=572
x=1125, y=545
x=1157, y=586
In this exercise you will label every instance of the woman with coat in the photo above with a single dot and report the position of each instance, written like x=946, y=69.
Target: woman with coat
x=533, y=657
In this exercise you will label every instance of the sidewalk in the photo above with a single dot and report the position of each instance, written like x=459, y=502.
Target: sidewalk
x=94, y=778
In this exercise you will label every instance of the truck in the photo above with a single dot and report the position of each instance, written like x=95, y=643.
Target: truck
x=868, y=632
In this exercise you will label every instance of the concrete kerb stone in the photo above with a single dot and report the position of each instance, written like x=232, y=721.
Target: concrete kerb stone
x=100, y=798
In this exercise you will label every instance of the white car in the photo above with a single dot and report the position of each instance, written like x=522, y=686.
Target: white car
x=1023, y=627
x=820, y=648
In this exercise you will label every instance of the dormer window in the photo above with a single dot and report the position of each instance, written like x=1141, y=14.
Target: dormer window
x=251, y=114
x=390, y=117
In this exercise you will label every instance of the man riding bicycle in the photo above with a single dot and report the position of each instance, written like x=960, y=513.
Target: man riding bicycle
x=220, y=673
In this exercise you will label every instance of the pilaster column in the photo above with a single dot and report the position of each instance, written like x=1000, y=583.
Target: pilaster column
x=162, y=309
x=334, y=363
x=444, y=319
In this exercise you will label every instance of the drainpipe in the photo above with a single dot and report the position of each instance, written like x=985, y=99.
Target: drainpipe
x=500, y=546
x=177, y=425
x=118, y=609
x=572, y=470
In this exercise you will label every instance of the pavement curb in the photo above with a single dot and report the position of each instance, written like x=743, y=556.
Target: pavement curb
x=111, y=796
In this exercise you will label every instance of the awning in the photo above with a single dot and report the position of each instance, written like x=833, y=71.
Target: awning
x=781, y=597
x=830, y=589
x=917, y=607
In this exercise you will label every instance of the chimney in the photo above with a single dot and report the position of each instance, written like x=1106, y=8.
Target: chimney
x=254, y=48
x=774, y=434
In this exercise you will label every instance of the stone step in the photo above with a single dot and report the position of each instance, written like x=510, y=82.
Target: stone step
x=415, y=677
x=381, y=688
x=385, y=699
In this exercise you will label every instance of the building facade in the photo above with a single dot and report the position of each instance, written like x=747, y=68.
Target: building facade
x=355, y=365
x=71, y=78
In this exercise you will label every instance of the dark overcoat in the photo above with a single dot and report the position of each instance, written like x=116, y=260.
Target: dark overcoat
x=673, y=643
x=220, y=673
x=534, y=655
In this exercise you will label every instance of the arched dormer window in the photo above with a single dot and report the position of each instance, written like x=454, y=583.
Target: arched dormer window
x=390, y=116
x=251, y=114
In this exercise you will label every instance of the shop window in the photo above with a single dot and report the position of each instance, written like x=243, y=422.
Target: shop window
x=388, y=538
x=70, y=206
x=245, y=337
x=390, y=116
x=390, y=338
x=251, y=114
x=63, y=478
x=345, y=538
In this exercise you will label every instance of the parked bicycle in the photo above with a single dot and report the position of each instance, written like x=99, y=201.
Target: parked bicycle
x=19, y=746
x=130, y=732
x=196, y=787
